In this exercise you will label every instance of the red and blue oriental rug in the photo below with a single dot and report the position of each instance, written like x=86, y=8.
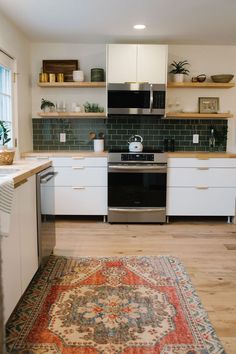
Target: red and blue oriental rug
x=126, y=305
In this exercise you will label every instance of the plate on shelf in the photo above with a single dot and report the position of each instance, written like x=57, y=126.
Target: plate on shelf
x=61, y=66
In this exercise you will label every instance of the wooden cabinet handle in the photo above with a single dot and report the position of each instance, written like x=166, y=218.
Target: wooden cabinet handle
x=77, y=188
x=78, y=158
x=202, y=187
x=202, y=168
x=78, y=168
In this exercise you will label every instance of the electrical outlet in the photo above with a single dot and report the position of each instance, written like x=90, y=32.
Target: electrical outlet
x=62, y=137
x=195, y=138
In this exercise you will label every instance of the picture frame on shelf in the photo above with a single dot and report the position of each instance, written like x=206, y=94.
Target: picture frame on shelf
x=208, y=104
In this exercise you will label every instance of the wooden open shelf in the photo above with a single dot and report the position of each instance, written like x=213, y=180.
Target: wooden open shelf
x=72, y=115
x=72, y=84
x=195, y=115
x=200, y=85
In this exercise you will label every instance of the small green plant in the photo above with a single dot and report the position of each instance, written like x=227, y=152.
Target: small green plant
x=93, y=107
x=46, y=103
x=4, y=130
x=179, y=67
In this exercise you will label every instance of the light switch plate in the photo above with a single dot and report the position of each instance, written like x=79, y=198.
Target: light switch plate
x=195, y=138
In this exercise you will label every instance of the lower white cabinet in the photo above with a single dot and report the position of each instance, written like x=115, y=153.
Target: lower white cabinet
x=198, y=187
x=19, y=250
x=80, y=186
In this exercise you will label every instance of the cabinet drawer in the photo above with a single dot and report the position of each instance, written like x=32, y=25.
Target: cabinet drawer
x=79, y=161
x=201, y=202
x=201, y=176
x=81, y=176
x=81, y=201
x=198, y=162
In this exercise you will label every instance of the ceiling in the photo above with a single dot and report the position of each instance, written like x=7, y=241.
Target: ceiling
x=111, y=21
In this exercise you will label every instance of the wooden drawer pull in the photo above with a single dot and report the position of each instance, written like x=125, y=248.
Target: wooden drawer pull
x=78, y=188
x=203, y=168
x=201, y=187
x=78, y=168
x=78, y=158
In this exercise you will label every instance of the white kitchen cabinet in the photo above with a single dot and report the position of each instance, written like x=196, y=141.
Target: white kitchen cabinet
x=80, y=185
x=201, y=187
x=19, y=249
x=137, y=63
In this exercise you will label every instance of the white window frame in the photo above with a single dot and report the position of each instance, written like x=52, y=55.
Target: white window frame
x=9, y=63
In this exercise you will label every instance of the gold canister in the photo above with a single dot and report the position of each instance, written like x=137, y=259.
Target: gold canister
x=43, y=77
x=52, y=77
x=60, y=77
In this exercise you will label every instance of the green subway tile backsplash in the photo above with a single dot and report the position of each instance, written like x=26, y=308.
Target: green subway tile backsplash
x=117, y=129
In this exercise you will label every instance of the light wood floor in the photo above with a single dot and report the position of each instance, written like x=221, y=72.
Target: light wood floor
x=207, y=247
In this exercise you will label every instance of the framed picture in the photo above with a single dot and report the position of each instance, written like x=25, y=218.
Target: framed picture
x=208, y=104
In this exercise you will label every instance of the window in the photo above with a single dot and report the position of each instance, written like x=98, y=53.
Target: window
x=6, y=92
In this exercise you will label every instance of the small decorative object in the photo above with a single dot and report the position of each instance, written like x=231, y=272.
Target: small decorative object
x=97, y=75
x=43, y=77
x=52, y=77
x=223, y=78
x=212, y=140
x=93, y=107
x=179, y=70
x=78, y=75
x=199, y=78
x=208, y=104
x=47, y=106
x=6, y=155
x=60, y=77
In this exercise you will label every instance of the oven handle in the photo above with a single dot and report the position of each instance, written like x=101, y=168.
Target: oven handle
x=158, y=169
x=136, y=210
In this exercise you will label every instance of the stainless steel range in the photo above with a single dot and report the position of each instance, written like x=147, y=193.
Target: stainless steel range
x=137, y=187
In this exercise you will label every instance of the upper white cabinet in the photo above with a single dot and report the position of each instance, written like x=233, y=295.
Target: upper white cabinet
x=137, y=63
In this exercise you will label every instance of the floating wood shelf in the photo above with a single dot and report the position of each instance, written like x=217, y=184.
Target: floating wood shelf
x=193, y=115
x=200, y=85
x=73, y=84
x=72, y=115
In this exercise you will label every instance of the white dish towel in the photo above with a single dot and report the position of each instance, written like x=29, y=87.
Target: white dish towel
x=6, y=199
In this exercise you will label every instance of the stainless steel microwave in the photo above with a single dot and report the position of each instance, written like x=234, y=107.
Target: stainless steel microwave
x=136, y=98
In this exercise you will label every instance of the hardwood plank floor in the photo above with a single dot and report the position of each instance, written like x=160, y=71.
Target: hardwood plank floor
x=207, y=248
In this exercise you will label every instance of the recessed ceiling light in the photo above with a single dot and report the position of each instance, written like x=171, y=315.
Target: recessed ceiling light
x=139, y=27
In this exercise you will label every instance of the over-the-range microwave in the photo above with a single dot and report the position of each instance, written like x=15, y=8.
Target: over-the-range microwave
x=136, y=98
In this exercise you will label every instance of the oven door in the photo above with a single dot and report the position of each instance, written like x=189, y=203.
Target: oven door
x=137, y=193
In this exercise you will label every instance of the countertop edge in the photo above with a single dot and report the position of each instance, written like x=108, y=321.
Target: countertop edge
x=65, y=153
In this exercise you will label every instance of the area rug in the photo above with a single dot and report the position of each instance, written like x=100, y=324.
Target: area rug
x=120, y=305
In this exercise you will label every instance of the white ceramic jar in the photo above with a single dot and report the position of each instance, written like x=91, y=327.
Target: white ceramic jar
x=78, y=75
x=98, y=145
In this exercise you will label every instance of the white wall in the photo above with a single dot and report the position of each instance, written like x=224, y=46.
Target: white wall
x=207, y=60
x=16, y=44
x=89, y=56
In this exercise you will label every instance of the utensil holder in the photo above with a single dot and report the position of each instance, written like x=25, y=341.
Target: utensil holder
x=98, y=145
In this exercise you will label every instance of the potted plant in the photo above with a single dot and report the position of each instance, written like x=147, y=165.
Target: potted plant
x=6, y=155
x=179, y=70
x=47, y=106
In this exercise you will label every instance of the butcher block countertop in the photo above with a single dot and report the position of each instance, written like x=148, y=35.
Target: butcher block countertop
x=202, y=154
x=26, y=169
x=65, y=153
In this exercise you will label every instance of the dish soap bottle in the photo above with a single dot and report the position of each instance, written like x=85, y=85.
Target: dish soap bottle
x=212, y=141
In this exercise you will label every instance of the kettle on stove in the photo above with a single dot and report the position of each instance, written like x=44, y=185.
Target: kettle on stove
x=135, y=143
